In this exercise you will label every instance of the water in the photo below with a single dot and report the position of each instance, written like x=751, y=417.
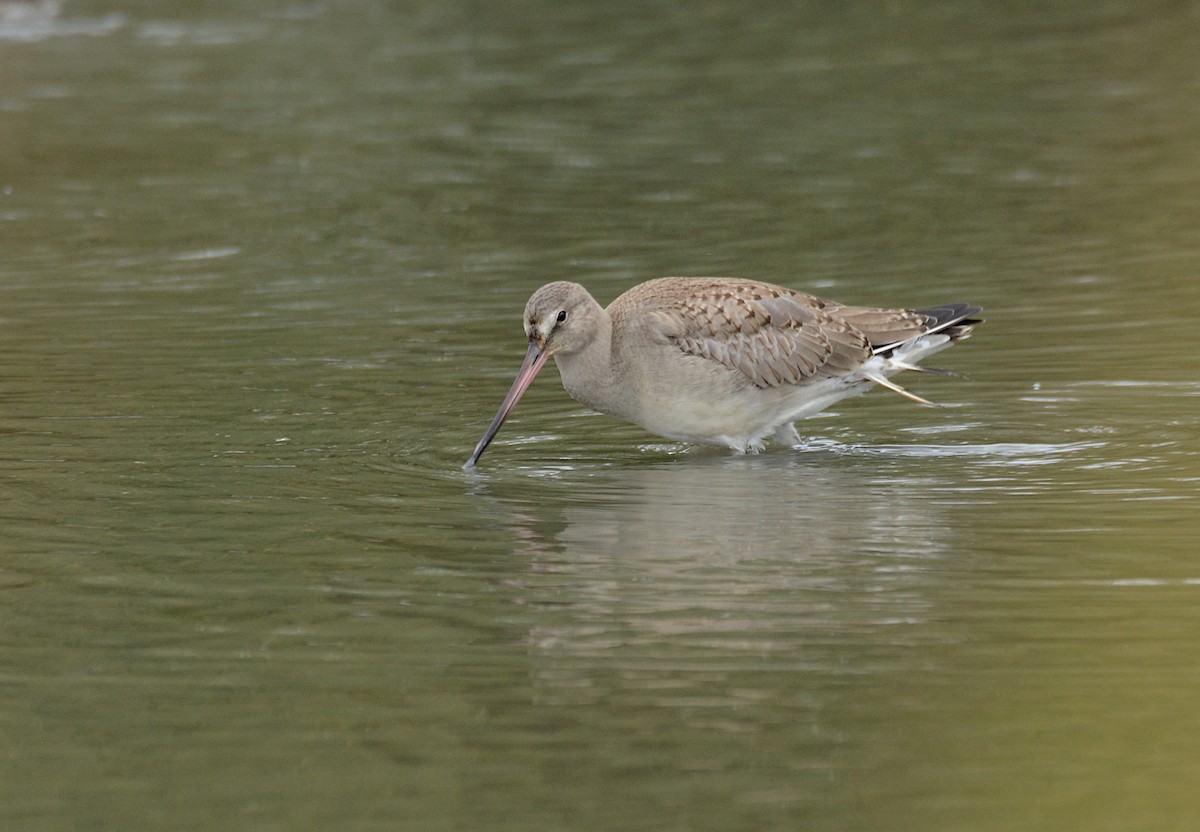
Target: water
x=260, y=292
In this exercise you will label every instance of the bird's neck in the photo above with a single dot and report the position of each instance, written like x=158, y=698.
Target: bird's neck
x=587, y=373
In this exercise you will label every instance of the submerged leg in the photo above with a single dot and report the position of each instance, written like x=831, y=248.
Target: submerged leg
x=786, y=434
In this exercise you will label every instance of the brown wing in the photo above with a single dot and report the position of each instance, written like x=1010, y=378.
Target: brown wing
x=882, y=326
x=772, y=335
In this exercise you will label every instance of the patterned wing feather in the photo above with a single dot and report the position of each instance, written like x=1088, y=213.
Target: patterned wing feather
x=772, y=335
x=883, y=326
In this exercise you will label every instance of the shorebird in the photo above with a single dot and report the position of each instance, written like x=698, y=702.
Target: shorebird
x=719, y=360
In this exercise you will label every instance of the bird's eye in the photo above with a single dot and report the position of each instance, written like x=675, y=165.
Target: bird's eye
x=562, y=316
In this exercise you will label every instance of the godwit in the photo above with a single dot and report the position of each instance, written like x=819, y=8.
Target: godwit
x=720, y=360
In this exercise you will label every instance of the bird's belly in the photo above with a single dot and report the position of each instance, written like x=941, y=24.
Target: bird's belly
x=743, y=419
x=702, y=402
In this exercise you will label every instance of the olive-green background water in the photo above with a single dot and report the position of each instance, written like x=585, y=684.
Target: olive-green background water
x=261, y=273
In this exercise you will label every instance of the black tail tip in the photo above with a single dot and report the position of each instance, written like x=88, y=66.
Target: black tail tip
x=948, y=314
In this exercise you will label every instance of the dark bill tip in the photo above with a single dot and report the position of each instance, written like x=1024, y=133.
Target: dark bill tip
x=535, y=359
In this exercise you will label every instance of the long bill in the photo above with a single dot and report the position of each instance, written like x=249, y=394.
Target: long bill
x=535, y=359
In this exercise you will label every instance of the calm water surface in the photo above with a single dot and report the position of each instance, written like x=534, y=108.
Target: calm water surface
x=260, y=294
